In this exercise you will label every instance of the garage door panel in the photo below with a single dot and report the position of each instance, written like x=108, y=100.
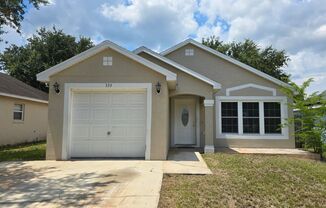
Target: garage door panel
x=121, y=113
x=100, y=114
x=80, y=131
x=99, y=98
x=119, y=99
x=136, y=132
x=98, y=131
x=136, y=99
x=80, y=149
x=81, y=98
x=136, y=114
x=80, y=114
x=118, y=131
x=100, y=149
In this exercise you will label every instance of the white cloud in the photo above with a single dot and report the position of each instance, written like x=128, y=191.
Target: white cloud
x=157, y=23
x=298, y=26
x=321, y=32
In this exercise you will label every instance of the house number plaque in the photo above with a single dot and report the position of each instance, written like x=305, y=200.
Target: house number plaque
x=108, y=84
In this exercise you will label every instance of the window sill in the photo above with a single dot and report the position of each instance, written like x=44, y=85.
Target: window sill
x=18, y=122
x=252, y=136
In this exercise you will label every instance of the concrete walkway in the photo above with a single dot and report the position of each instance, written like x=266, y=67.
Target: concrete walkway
x=185, y=162
x=91, y=183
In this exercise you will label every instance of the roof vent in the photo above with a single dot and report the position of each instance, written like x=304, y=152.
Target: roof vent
x=107, y=60
x=189, y=52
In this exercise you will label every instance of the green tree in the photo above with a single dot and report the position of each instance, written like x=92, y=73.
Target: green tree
x=268, y=60
x=12, y=12
x=43, y=50
x=312, y=116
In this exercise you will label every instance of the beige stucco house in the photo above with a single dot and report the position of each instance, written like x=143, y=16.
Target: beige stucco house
x=111, y=102
x=23, y=112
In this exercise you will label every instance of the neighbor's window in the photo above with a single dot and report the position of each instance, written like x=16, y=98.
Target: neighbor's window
x=107, y=61
x=189, y=52
x=229, y=117
x=250, y=116
x=272, y=117
x=18, y=112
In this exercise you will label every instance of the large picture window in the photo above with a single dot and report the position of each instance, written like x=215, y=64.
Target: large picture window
x=250, y=116
x=272, y=117
x=230, y=117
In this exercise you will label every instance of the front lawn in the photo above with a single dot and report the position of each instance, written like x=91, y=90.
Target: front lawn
x=34, y=151
x=249, y=181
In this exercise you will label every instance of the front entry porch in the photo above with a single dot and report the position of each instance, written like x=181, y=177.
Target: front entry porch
x=191, y=123
x=185, y=117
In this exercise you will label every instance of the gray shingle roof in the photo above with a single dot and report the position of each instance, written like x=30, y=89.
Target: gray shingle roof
x=10, y=85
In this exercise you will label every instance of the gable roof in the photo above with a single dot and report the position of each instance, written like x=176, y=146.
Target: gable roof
x=215, y=85
x=226, y=58
x=11, y=87
x=45, y=75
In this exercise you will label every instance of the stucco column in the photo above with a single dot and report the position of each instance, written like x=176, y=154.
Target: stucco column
x=209, y=126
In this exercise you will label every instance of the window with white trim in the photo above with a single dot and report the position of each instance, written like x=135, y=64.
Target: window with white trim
x=230, y=117
x=189, y=52
x=18, y=112
x=272, y=117
x=107, y=61
x=251, y=117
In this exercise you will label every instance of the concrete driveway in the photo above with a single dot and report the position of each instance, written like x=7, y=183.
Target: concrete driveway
x=92, y=183
x=117, y=183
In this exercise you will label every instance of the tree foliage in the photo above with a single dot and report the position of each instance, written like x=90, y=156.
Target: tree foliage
x=311, y=118
x=12, y=12
x=268, y=60
x=43, y=50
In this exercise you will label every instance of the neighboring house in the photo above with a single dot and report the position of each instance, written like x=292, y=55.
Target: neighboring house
x=23, y=112
x=110, y=102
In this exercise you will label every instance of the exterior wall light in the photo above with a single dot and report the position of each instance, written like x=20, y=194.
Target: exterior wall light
x=158, y=87
x=56, y=87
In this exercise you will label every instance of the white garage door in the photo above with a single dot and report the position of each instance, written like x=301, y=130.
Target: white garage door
x=108, y=124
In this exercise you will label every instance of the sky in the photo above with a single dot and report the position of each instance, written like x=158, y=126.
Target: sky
x=297, y=26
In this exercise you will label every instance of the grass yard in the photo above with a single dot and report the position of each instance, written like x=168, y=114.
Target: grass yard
x=249, y=181
x=33, y=151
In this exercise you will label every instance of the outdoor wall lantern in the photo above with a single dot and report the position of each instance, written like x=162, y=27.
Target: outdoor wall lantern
x=158, y=87
x=56, y=87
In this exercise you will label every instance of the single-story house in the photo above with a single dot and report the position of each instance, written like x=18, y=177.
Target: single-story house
x=112, y=102
x=23, y=112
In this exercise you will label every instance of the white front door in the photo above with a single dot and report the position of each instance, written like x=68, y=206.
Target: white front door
x=108, y=124
x=185, y=121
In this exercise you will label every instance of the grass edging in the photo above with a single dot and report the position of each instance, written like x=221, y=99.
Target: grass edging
x=25, y=151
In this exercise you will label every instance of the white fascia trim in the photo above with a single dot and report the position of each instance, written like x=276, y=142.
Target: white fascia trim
x=215, y=85
x=24, y=98
x=69, y=88
x=227, y=58
x=218, y=115
x=240, y=87
x=45, y=75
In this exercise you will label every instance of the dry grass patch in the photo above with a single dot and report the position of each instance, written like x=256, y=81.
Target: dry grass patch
x=249, y=181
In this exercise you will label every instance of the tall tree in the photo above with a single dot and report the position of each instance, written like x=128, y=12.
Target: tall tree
x=12, y=12
x=310, y=118
x=44, y=49
x=268, y=60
